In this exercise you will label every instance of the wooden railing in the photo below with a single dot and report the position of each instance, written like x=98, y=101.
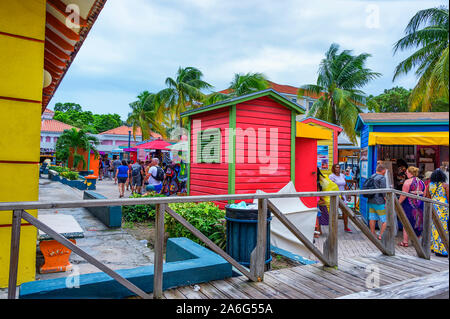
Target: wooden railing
x=329, y=256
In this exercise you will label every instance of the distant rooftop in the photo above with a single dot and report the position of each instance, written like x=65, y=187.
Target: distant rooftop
x=123, y=130
x=404, y=117
x=54, y=126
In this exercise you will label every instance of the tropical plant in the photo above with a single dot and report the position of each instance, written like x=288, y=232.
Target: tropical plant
x=74, y=140
x=341, y=77
x=182, y=92
x=242, y=84
x=206, y=217
x=72, y=176
x=146, y=114
x=140, y=213
x=428, y=32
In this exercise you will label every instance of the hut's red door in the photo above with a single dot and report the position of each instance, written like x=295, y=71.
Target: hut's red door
x=306, y=168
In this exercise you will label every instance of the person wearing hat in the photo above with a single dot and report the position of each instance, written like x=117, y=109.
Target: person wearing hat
x=426, y=177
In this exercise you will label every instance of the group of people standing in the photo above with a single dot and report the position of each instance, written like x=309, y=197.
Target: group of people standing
x=136, y=176
x=434, y=186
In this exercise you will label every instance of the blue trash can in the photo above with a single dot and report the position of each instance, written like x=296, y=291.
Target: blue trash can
x=242, y=230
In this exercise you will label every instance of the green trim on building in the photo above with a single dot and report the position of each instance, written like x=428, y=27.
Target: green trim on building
x=232, y=152
x=293, y=135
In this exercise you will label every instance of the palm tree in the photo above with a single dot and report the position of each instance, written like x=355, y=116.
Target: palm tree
x=341, y=77
x=428, y=31
x=182, y=92
x=75, y=140
x=147, y=115
x=242, y=84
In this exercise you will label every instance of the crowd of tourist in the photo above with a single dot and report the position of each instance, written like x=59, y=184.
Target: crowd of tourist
x=139, y=176
x=433, y=186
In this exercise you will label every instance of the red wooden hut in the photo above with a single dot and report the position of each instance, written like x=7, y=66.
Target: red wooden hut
x=250, y=143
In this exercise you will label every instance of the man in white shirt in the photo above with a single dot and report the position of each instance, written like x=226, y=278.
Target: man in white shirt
x=155, y=176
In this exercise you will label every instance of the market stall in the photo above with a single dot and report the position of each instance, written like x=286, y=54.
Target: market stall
x=399, y=140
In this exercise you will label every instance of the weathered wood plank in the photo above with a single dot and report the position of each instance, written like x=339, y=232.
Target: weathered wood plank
x=265, y=289
x=329, y=277
x=408, y=264
x=211, y=292
x=297, y=233
x=228, y=290
x=14, y=253
x=246, y=288
x=398, y=267
x=317, y=282
x=426, y=233
x=409, y=229
x=432, y=264
x=173, y=294
x=361, y=270
x=191, y=294
x=295, y=290
x=384, y=269
x=388, y=238
x=330, y=246
x=159, y=254
x=353, y=280
x=416, y=288
x=257, y=257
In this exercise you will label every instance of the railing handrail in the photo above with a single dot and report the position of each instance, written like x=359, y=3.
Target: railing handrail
x=7, y=206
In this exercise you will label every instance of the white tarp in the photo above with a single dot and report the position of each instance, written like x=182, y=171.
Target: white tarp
x=304, y=218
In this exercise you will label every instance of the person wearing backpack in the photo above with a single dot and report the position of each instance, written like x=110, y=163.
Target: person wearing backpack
x=136, y=177
x=376, y=202
x=155, y=176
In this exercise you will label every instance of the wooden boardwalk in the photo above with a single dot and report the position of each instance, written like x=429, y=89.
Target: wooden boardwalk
x=317, y=282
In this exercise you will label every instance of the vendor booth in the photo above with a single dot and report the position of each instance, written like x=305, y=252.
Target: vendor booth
x=327, y=150
x=399, y=140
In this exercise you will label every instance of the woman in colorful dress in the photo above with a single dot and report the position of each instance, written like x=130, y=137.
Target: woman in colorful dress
x=339, y=179
x=323, y=185
x=413, y=207
x=438, y=190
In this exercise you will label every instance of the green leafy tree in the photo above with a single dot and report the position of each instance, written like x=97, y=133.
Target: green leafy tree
x=341, y=78
x=146, y=115
x=75, y=140
x=64, y=107
x=183, y=91
x=242, y=84
x=428, y=32
x=391, y=100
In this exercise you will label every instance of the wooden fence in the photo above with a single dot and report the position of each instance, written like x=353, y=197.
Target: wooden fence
x=329, y=256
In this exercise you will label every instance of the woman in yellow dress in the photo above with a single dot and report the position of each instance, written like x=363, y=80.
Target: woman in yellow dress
x=438, y=190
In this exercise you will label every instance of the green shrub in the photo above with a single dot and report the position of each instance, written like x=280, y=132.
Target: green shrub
x=140, y=213
x=206, y=217
x=59, y=169
x=72, y=176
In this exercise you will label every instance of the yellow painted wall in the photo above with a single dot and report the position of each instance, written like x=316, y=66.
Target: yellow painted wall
x=21, y=77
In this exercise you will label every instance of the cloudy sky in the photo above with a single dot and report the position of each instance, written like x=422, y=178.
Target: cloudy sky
x=136, y=44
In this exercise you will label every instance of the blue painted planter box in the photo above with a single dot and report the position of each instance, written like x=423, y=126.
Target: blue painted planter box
x=187, y=263
x=111, y=216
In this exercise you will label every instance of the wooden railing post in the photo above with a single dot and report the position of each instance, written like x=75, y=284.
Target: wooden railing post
x=330, y=249
x=257, y=257
x=426, y=233
x=388, y=238
x=14, y=254
x=159, y=246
